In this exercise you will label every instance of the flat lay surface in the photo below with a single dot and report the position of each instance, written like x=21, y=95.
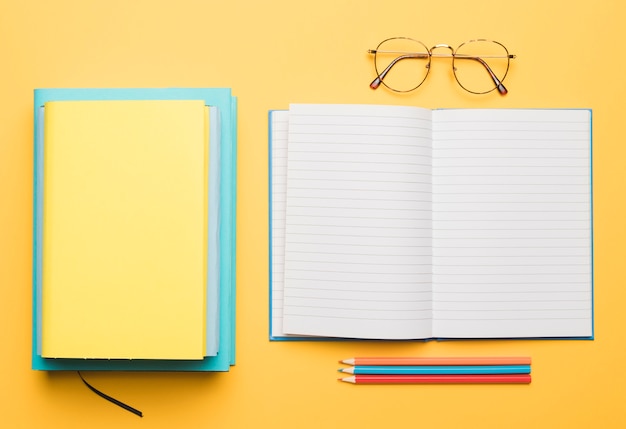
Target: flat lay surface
x=271, y=54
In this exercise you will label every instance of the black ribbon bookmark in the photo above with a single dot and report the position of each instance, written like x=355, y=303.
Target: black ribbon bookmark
x=108, y=398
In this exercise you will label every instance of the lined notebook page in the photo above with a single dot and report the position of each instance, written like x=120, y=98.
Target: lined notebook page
x=279, y=122
x=512, y=223
x=358, y=225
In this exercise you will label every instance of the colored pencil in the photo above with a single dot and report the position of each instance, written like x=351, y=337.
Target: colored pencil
x=415, y=361
x=444, y=369
x=439, y=379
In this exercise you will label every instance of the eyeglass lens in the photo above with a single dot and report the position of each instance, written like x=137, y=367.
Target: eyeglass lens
x=405, y=70
x=473, y=62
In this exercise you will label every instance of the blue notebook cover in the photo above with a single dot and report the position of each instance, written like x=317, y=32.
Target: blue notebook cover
x=226, y=113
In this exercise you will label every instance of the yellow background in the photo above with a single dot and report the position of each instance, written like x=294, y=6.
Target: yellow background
x=569, y=54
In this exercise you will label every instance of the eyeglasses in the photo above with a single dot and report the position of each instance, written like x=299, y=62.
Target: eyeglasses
x=402, y=64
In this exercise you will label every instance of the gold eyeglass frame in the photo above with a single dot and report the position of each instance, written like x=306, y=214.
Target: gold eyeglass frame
x=402, y=55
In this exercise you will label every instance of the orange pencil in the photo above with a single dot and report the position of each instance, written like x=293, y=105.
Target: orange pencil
x=502, y=360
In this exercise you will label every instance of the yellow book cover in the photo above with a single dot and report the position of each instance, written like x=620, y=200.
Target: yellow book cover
x=124, y=229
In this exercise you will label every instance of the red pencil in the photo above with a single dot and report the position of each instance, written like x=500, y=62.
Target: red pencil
x=439, y=379
x=414, y=361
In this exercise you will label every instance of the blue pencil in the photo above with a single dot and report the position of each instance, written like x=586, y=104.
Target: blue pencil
x=447, y=369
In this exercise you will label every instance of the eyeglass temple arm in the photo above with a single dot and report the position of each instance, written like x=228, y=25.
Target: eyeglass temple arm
x=379, y=79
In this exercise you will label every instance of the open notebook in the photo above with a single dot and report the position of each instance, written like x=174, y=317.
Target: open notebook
x=392, y=222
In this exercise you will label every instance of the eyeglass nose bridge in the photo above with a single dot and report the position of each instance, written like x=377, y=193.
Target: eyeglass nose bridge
x=446, y=46
x=441, y=45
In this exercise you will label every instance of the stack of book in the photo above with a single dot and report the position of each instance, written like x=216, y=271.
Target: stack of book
x=134, y=229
